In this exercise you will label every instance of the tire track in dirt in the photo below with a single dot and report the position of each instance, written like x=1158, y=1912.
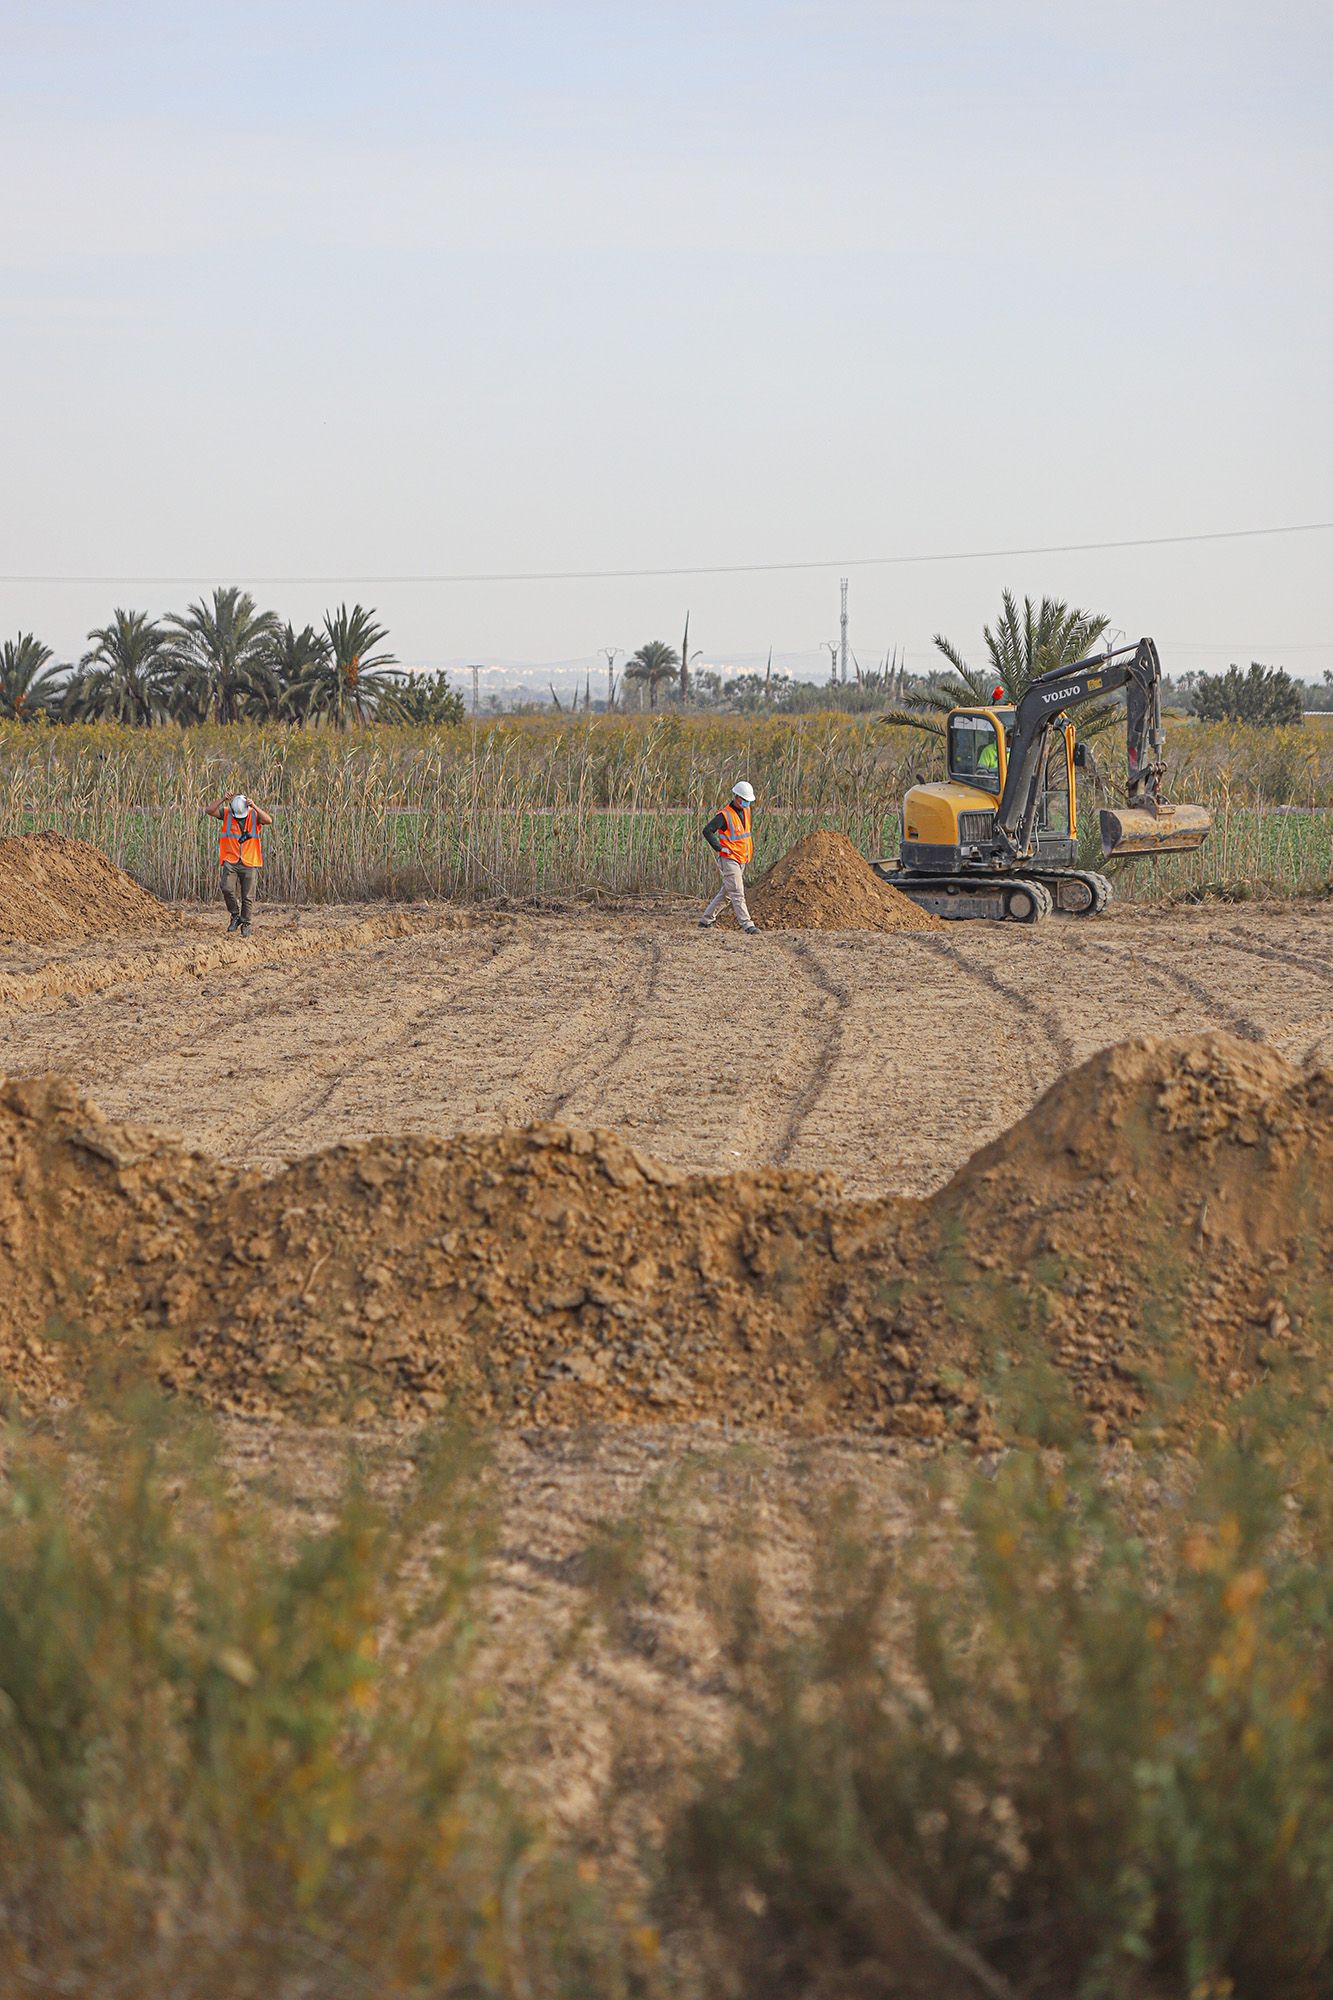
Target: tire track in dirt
x=1036, y=1011
x=512, y=948
x=159, y=1042
x=1222, y=1013
x=195, y=957
x=1317, y=969
x=885, y=1059
x=231, y=1085
x=1322, y=969
x=602, y=1061
x=699, y=1063
x=825, y=1017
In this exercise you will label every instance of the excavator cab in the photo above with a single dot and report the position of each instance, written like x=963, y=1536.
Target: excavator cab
x=945, y=826
x=977, y=745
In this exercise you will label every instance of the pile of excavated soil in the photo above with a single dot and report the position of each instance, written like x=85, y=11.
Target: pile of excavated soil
x=1166, y=1210
x=823, y=884
x=537, y=1276
x=60, y=891
x=87, y=1206
x=1162, y=1220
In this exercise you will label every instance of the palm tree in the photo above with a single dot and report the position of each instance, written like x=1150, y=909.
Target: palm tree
x=294, y=657
x=220, y=658
x=27, y=683
x=1019, y=649
x=123, y=678
x=350, y=683
x=652, y=664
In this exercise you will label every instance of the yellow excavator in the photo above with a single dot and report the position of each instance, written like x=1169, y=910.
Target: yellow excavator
x=999, y=837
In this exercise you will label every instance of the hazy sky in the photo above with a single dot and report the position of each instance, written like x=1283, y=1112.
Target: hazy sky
x=350, y=290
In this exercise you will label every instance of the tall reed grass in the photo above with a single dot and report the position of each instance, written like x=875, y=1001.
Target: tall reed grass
x=606, y=807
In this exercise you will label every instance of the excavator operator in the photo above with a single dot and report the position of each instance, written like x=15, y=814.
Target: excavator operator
x=988, y=758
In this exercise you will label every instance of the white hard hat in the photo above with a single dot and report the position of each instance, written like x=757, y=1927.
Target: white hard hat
x=238, y=804
x=743, y=791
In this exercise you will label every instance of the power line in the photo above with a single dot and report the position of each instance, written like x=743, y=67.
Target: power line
x=715, y=569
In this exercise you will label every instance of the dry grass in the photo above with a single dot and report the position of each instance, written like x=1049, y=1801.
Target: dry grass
x=606, y=807
x=1073, y=1737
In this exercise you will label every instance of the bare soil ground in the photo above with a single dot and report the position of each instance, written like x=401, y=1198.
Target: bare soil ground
x=887, y=1059
x=647, y=1686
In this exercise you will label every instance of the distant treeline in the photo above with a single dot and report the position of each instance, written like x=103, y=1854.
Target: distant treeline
x=223, y=660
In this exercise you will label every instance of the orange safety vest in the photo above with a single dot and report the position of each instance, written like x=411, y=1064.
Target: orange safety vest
x=734, y=839
x=240, y=841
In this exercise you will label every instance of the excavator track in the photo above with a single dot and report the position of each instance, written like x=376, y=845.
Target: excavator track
x=1013, y=899
x=1075, y=892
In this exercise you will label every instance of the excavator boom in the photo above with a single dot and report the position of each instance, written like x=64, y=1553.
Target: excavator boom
x=1146, y=824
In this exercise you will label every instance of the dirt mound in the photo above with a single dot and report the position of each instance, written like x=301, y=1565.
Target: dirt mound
x=538, y=1276
x=1165, y=1209
x=87, y=1205
x=823, y=884
x=58, y=891
x=545, y=1275
x=1161, y=1223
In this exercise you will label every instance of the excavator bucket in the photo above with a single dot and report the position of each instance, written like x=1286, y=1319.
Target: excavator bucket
x=1162, y=829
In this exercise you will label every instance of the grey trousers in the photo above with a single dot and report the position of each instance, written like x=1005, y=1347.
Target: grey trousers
x=238, y=888
x=733, y=892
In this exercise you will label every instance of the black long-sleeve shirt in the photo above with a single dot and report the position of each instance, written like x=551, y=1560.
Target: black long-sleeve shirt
x=715, y=828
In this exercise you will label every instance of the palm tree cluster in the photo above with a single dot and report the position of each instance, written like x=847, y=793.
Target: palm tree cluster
x=223, y=660
x=1020, y=647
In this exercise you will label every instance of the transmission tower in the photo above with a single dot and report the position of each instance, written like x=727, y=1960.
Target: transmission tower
x=842, y=647
x=610, y=654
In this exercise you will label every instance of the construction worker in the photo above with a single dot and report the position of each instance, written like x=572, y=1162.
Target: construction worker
x=728, y=834
x=241, y=854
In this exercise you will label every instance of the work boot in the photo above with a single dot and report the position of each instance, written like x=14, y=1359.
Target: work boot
x=245, y=930
x=750, y=930
x=705, y=923
x=234, y=925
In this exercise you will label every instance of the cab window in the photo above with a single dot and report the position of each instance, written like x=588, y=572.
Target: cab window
x=974, y=755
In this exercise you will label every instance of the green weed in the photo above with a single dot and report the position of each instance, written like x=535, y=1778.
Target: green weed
x=1072, y=1737
x=238, y=1758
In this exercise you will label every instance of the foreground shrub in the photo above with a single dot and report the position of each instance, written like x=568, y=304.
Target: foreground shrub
x=230, y=1766
x=1083, y=1748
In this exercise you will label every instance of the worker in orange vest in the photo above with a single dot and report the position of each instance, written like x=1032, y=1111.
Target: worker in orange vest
x=728, y=834
x=241, y=854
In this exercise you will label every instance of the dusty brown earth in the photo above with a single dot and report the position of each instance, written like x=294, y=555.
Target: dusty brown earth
x=58, y=890
x=823, y=884
x=887, y=1060
x=1154, y=1233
